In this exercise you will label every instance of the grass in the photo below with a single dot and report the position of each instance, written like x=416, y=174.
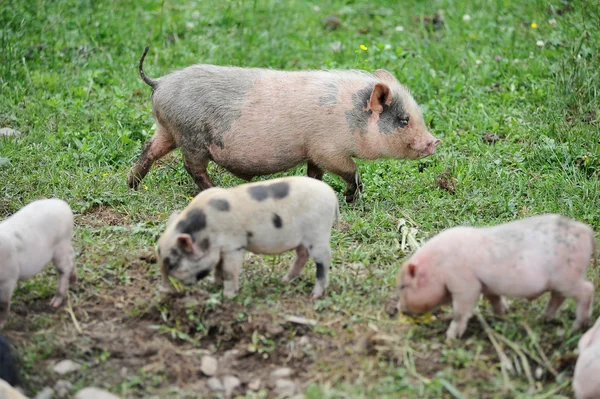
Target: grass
x=69, y=83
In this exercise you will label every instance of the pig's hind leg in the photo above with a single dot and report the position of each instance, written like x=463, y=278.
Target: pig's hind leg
x=322, y=256
x=296, y=267
x=498, y=304
x=314, y=171
x=6, y=291
x=195, y=163
x=64, y=261
x=584, y=294
x=556, y=300
x=157, y=147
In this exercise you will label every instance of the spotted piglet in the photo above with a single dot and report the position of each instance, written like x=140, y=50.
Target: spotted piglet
x=39, y=233
x=524, y=258
x=270, y=217
x=586, y=384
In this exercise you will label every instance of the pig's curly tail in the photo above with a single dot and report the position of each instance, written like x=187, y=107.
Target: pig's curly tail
x=150, y=82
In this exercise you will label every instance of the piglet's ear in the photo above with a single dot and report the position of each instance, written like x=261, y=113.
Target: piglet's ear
x=185, y=243
x=412, y=270
x=380, y=95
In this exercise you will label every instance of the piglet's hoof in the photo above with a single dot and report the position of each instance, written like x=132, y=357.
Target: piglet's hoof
x=56, y=301
x=318, y=293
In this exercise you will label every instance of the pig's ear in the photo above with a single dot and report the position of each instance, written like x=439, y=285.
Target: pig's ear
x=386, y=76
x=412, y=270
x=172, y=217
x=185, y=243
x=380, y=95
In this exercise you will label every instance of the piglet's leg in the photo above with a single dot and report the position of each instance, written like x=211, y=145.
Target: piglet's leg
x=219, y=273
x=296, y=268
x=498, y=304
x=64, y=260
x=556, y=300
x=463, y=304
x=6, y=291
x=232, y=265
x=584, y=294
x=322, y=256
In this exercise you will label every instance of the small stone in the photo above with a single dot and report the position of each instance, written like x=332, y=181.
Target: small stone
x=94, y=393
x=65, y=367
x=209, y=365
x=304, y=340
x=490, y=137
x=285, y=387
x=63, y=388
x=46, y=393
x=214, y=384
x=466, y=18
x=6, y=131
x=539, y=43
x=282, y=372
x=254, y=385
x=539, y=372
x=230, y=383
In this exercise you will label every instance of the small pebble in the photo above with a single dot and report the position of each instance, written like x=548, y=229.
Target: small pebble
x=230, y=383
x=46, y=393
x=285, y=387
x=254, y=385
x=65, y=367
x=282, y=372
x=214, y=384
x=94, y=393
x=62, y=388
x=209, y=365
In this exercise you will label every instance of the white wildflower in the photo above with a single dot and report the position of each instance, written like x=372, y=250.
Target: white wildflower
x=466, y=18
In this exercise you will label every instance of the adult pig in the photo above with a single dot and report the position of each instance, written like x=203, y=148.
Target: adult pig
x=271, y=217
x=586, y=384
x=256, y=122
x=30, y=239
x=524, y=258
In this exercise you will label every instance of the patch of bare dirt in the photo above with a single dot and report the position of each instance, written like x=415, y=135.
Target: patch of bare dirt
x=101, y=216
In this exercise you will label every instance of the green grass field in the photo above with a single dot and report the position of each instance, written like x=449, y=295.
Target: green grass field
x=528, y=72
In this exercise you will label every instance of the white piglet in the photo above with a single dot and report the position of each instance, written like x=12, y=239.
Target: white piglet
x=270, y=217
x=39, y=233
x=585, y=380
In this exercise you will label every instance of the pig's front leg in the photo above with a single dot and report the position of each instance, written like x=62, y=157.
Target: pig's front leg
x=218, y=280
x=232, y=265
x=463, y=304
x=64, y=261
x=556, y=299
x=314, y=171
x=6, y=291
x=347, y=170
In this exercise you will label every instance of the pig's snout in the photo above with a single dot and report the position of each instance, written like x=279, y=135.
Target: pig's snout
x=425, y=147
x=431, y=146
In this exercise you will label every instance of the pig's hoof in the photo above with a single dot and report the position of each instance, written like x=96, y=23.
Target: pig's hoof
x=132, y=182
x=350, y=198
x=56, y=302
x=318, y=293
x=229, y=294
x=287, y=278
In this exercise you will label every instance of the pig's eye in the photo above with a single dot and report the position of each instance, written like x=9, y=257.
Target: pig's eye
x=403, y=121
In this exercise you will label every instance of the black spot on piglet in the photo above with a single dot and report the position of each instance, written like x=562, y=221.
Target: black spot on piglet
x=279, y=190
x=194, y=221
x=205, y=244
x=277, y=222
x=219, y=204
x=258, y=193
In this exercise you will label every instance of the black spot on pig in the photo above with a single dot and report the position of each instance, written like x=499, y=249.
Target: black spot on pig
x=168, y=264
x=310, y=246
x=358, y=117
x=205, y=244
x=279, y=190
x=320, y=271
x=258, y=193
x=277, y=222
x=219, y=204
x=249, y=234
x=8, y=367
x=393, y=117
x=329, y=98
x=194, y=222
x=18, y=236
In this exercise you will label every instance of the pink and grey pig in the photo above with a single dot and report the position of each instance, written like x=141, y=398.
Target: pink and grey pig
x=523, y=259
x=270, y=217
x=257, y=122
x=586, y=384
x=39, y=233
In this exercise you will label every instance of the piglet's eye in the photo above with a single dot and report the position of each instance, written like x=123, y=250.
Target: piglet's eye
x=403, y=121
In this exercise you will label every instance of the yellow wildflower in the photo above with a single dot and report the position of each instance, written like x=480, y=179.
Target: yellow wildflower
x=190, y=198
x=363, y=47
x=534, y=25
x=145, y=187
x=104, y=174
